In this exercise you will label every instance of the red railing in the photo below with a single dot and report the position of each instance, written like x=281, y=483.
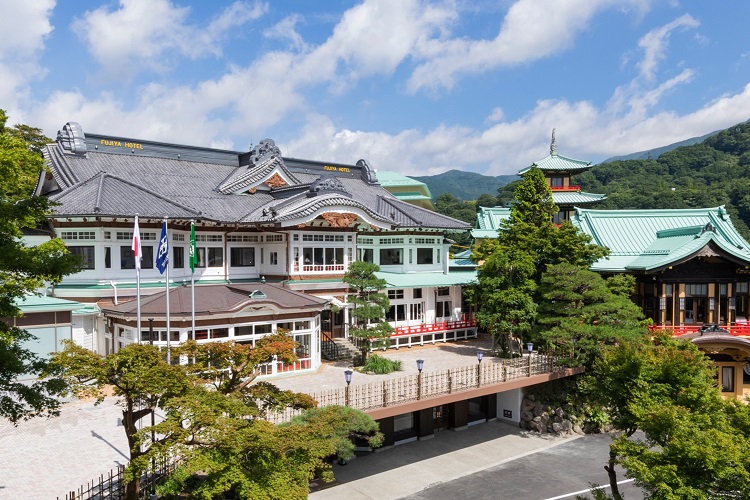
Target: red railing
x=440, y=326
x=737, y=330
x=571, y=187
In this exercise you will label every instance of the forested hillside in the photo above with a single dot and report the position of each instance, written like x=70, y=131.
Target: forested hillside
x=464, y=185
x=714, y=172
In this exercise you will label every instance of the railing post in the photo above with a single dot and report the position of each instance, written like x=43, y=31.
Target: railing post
x=385, y=393
x=528, y=369
x=419, y=386
x=450, y=383
x=479, y=374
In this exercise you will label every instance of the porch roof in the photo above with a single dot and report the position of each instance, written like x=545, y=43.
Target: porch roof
x=420, y=280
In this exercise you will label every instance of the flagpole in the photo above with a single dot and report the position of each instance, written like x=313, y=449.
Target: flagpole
x=136, y=247
x=169, y=350
x=192, y=274
x=162, y=263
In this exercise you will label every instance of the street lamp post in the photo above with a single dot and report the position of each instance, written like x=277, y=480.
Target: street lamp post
x=420, y=365
x=480, y=355
x=348, y=377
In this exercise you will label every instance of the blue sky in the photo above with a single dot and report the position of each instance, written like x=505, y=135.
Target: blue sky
x=414, y=87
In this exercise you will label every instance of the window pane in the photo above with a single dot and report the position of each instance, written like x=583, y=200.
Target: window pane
x=215, y=257
x=242, y=257
x=148, y=257
x=86, y=254
x=391, y=256
x=107, y=257
x=201, y=257
x=127, y=261
x=178, y=257
x=424, y=255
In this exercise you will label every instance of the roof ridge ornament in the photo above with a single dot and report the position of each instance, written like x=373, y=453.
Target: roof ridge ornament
x=708, y=227
x=367, y=173
x=265, y=149
x=326, y=182
x=72, y=139
x=552, y=145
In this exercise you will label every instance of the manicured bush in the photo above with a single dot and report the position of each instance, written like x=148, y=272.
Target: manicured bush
x=380, y=365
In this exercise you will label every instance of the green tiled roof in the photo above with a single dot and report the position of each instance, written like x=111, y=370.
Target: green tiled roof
x=34, y=304
x=573, y=198
x=488, y=221
x=649, y=240
x=418, y=280
x=557, y=163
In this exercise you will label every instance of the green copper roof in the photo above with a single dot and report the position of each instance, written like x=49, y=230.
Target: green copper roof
x=34, y=304
x=573, y=198
x=649, y=240
x=388, y=178
x=557, y=163
x=418, y=280
x=488, y=221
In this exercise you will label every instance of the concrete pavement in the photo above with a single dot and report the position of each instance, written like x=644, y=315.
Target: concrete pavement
x=409, y=468
x=46, y=458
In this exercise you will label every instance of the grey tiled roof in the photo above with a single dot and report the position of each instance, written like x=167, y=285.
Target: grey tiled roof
x=159, y=180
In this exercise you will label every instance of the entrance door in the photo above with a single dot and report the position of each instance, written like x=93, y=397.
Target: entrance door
x=332, y=323
x=440, y=417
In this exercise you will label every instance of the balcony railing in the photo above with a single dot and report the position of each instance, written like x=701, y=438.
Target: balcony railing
x=318, y=268
x=570, y=187
x=737, y=330
x=439, y=326
x=392, y=392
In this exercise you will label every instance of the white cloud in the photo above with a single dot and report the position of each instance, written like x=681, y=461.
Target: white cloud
x=286, y=29
x=140, y=34
x=654, y=44
x=365, y=43
x=24, y=26
x=531, y=30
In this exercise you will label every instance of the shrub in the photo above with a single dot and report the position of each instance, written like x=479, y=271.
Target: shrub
x=380, y=365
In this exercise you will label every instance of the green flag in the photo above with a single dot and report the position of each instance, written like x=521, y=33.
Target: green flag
x=193, y=250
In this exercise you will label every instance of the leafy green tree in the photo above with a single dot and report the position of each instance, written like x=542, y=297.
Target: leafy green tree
x=485, y=200
x=505, y=296
x=24, y=270
x=370, y=307
x=255, y=459
x=580, y=312
x=694, y=442
x=203, y=400
x=137, y=374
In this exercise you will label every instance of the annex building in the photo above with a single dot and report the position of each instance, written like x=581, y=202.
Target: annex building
x=275, y=236
x=692, y=267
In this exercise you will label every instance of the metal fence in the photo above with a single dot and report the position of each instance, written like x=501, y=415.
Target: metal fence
x=397, y=391
x=112, y=485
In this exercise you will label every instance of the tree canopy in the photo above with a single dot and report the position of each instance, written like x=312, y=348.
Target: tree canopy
x=24, y=270
x=511, y=269
x=215, y=418
x=693, y=442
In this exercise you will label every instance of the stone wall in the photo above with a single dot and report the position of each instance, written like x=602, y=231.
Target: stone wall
x=539, y=417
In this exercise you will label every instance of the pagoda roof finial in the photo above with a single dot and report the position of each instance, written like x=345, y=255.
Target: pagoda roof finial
x=552, y=145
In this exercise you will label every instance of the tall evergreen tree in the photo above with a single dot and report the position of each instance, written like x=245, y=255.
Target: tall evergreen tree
x=370, y=307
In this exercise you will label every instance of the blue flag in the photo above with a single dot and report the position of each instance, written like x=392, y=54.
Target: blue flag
x=162, y=253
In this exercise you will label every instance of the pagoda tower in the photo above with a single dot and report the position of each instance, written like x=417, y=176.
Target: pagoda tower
x=558, y=171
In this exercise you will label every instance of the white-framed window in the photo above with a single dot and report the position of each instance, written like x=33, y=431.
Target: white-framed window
x=273, y=258
x=78, y=235
x=87, y=254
